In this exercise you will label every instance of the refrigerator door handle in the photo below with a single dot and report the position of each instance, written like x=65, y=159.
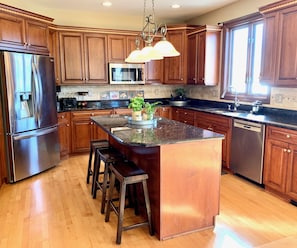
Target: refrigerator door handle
x=37, y=90
x=34, y=133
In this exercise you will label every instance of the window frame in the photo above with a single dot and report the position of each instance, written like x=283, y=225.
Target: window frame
x=226, y=91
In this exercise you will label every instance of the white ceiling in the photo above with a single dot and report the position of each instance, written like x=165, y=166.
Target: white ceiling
x=189, y=8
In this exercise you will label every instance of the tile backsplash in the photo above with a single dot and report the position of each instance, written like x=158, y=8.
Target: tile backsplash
x=284, y=98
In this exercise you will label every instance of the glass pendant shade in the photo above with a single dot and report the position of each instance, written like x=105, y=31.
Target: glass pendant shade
x=136, y=57
x=150, y=53
x=165, y=48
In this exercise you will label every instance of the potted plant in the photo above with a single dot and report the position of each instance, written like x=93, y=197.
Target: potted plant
x=136, y=104
x=149, y=110
x=180, y=98
x=180, y=94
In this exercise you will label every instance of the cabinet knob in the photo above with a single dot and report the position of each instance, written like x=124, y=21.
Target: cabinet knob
x=289, y=151
x=285, y=150
x=67, y=125
x=288, y=136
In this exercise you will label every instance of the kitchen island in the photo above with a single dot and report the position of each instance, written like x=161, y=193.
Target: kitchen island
x=184, y=167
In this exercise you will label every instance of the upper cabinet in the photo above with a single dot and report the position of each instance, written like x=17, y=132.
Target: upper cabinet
x=83, y=58
x=204, y=56
x=279, y=44
x=23, y=31
x=120, y=46
x=175, y=68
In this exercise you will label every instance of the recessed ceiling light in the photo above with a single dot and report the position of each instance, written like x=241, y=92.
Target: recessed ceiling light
x=175, y=6
x=107, y=4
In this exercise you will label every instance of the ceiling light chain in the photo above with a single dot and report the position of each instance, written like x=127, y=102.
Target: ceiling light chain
x=162, y=49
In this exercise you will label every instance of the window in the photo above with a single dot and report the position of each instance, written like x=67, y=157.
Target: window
x=242, y=59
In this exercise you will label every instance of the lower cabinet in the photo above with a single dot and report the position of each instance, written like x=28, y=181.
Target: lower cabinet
x=184, y=115
x=64, y=133
x=218, y=124
x=83, y=130
x=163, y=112
x=280, y=162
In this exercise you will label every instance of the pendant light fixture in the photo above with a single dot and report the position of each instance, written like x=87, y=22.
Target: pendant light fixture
x=163, y=48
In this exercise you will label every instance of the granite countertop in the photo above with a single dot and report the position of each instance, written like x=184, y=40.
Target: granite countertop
x=272, y=116
x=280, y=118
x=163, y=131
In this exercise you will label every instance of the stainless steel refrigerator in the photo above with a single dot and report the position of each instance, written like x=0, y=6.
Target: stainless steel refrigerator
x=28, y=98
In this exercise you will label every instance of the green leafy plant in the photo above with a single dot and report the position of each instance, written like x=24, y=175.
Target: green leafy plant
x=136, y=103
x=180, y=93
x=150, y=108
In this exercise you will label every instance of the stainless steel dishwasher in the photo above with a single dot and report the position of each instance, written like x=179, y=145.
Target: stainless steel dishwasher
x=247, y=149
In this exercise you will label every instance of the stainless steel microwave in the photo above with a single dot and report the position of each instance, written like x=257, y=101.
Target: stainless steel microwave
x=126, y=73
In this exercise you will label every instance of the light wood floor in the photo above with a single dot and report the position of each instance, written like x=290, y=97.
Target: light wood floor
x=55, y=209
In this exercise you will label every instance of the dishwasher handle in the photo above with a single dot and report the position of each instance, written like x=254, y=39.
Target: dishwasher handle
x=255, y=127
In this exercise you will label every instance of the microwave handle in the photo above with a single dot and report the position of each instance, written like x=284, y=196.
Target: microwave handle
x=139, y=74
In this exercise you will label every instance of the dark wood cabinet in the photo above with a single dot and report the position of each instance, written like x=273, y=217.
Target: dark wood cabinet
x=175, y=68
x=204, y=56
x=83, y=130
x=3, y=171
x=23, y=31
x=164, y=112
x=219, y=124
x=83, y=58
x=280, y=162
x=279, y=44
x=184, y=115
x=120, y=46
x=154, y=70
x=64, y=133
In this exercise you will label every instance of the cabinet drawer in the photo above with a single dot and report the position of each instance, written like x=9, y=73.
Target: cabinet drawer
x=282, y=134
x=87, y=114
x=214, y=119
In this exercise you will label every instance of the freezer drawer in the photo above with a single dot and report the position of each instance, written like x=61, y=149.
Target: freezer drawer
x=34, y=152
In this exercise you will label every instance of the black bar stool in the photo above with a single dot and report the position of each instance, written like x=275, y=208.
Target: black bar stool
x=108, y=156
x=94, y=144
x=127, y=173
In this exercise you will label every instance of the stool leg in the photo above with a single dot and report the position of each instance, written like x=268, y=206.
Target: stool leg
x=121, y=212
x=148, y=206
x=89, y=173
x=104, y=187
x=111, y=187
x=97, y=162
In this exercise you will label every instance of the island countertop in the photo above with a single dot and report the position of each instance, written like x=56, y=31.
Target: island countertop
x=183, y=164
x=163, y=131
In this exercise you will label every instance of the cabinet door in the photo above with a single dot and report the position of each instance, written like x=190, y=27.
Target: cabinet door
x=64, y=133
x=268, y=62
x=192, y=59
x=176, y=67
x=275, y=165
x=286, y=73
x=72, y=58
x=117, y=48
x=12, y=32
x=81, y=135
x=291, y=190
x=54, y=51
x=201, y=58
x=164, y=112
x=96, y=58
x=154, y=71
x=37, y=36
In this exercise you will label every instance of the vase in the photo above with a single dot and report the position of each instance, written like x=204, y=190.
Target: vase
x=136, y=115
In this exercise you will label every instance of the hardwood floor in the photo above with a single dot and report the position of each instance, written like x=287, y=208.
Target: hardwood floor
x=55, y=209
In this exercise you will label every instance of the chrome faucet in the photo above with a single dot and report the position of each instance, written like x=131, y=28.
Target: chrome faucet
x=236, y=102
